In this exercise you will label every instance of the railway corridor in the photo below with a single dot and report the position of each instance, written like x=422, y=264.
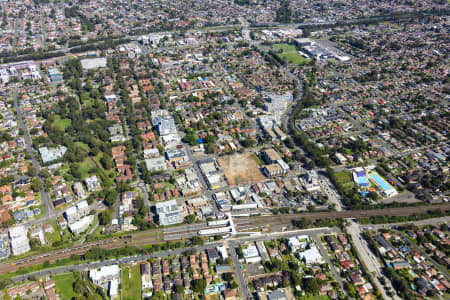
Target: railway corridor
x=183, y=232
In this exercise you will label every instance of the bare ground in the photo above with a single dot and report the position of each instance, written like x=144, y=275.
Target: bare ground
x=241, y=169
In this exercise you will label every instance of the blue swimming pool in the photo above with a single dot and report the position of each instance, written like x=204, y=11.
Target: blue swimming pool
x=380, y=181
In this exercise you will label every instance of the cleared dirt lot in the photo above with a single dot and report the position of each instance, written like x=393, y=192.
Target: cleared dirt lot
x=241, y=169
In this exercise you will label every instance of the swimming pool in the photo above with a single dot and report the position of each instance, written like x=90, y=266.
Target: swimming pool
x=363, y=181
x=380, y=181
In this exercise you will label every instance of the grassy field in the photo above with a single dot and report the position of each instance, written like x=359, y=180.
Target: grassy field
x=53, y=237
x=345, y=179
x=289, y=53
x=61, y=124
x=85, y=166
x=83, y=146
x=86, y=100
x=108, y=173
x=64, y=285
x=131, y=286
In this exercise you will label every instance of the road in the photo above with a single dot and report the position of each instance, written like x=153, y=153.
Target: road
x=349, y=214
x=206, y=191
x=49, y=211
x=434, y=221
x=16, y=31
x=275, y=221
x=330, y=191
x=243, y=289
x=43, y=29
x=325, y=255
x=235, y=242
x=369, y=260
x=424, y=254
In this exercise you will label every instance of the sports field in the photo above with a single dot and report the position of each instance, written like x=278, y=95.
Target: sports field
x=289, y=53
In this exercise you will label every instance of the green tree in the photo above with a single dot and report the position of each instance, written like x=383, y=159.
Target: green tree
x=111, y=198
x=75, y=171
x=190, y=219
x=105, y=217
x=311, y=286
x=199, y=286
x=36, y=185
x=107, y=161
x=210, y=148
x=179, y=289
x=4, y=282
x=228, y=277
x=196, y=240
x=234, y=285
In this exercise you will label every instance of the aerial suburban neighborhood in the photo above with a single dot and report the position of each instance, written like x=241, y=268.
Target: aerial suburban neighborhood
x=226, y=149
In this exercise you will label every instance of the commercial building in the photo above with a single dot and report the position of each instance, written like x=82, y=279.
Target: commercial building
x=276, y=295
x=104, y=274
x=251, y=254
x=164, y=122
x=156, y=164
x=168, y=212
x=271, y=156
x=297, y=243
x=82, y=225
x=19, y=240
x=79, y=190
x=277, y=102
x=273, y=170
x=51, y=154
x=176, y=154
x=92, y=183
x=71, y=214
x=93, y=63
x=166, y=126
x=83, y=208
x=311, y=256
x=113, y=288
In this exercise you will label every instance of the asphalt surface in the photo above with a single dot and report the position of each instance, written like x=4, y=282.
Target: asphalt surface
x=243, y=287
x=232, y=242
x=43, y=29
x=424, y=254
x=49, y=211
x=325, y=255
x=369, y=260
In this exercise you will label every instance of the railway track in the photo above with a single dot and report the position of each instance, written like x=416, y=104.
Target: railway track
x=136, y=239
x=112, y=243
x=157, y=236
x=356, y=214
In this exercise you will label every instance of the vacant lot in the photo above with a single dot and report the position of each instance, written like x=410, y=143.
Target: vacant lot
x=241, y=169
x=131, y=284
x=64, y=285
x=289, y=53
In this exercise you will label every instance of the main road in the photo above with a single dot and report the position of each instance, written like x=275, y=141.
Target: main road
x=154, y=236
x=369, y=260
x=167, y=253
x=49, y=211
